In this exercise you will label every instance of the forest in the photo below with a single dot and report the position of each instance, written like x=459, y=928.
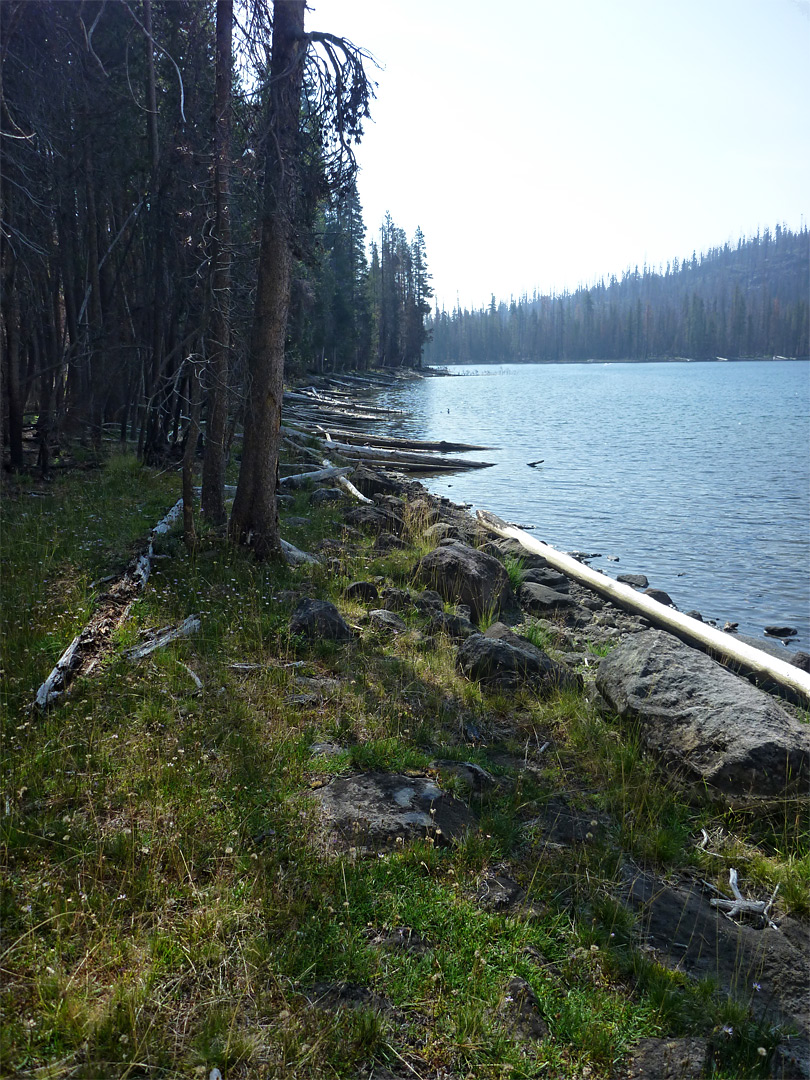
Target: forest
x=748, y=300
x=137, y=178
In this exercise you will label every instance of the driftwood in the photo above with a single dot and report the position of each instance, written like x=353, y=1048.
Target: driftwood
x=348, y=486
x=411, y=461
x=388, y=442
x=690, y=630
x=740, y=906
x=83, y=652
x=299, y=479
x=163, y=637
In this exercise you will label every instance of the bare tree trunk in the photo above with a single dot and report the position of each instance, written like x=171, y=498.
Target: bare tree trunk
x=213, y=477
x=192, y=438
x=254, y=519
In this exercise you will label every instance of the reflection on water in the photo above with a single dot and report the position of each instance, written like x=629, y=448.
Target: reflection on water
x=695, y=474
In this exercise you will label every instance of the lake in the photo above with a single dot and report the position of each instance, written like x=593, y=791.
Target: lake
x=695, y=474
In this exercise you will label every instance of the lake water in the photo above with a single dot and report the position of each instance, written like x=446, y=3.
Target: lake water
x=695, y=474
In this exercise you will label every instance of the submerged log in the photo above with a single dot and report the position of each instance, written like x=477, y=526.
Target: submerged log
x=719, y=644
x=390, y=442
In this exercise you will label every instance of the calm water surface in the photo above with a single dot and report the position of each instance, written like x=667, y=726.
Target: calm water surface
x=695, y=474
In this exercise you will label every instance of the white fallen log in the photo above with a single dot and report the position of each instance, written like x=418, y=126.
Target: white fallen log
x=740, y=906
x=692, y=631
x=408, y=459
x=189, y=626
x=57, y=681
x=331, y=473
x=348, y=486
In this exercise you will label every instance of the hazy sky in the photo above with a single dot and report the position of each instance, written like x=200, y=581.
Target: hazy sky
x=545, y=143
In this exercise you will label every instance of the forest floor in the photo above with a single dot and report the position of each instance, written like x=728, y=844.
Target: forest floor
x=169, y=909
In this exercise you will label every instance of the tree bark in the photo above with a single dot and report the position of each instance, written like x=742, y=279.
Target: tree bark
x=213, y=477
x=254, y=519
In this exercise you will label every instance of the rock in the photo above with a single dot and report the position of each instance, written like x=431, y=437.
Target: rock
x=702, y=720
x=455, y=626
x=375, y=520
x=666, y=1059
x=476, y=779
x=463, y=574
x=781, y=631
x=428, y=602
x=396, y=599
x=497, y=891
x=366, y=591
x=638, y=580
x=386, y=541
x=371, y=483
x=541, y=600
x=695, y=615
x=435, y=534
x=319, y=620
x=659, y=595
x=772, y=648
x=400, y=939
x=562, y=826
x=387, y=620
x=766, y=969
x=326, y=495
x=502, y=659
x=521, y=1011
x=552, y=579
x=801, y=660
x=375, y=809
x=791, y=1059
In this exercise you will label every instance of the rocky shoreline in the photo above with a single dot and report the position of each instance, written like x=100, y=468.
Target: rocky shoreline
x=518, y=625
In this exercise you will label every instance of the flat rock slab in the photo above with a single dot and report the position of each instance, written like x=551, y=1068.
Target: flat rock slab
x=767, y=969
x=375, y=809
x=667, y=1059
x=542, y=600
x=703, y=720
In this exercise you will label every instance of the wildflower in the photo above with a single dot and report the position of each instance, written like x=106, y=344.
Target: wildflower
x=727, y=1029
x=757, y=986
x=762, y=1051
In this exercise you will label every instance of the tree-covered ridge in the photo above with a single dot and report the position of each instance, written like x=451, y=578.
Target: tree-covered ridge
x=748, y=300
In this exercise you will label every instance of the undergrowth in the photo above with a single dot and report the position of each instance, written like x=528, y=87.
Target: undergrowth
x=167, y=907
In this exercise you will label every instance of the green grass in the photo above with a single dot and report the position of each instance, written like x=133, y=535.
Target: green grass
x=165, y=906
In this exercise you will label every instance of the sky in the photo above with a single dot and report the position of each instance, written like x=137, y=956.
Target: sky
x=544, y=144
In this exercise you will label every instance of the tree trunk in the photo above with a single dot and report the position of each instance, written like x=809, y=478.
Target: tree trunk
x=213, y=477
x=254, y=519
x=192, y=438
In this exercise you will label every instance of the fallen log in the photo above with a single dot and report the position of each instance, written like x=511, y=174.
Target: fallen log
x=348, y=486
x=426, y=462
x=721, y=645
x=163, y=637
x=389, y=442
x=332, y=473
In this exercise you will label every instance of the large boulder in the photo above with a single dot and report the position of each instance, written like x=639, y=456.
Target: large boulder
x=542, y=600
x=462, y=574
x=499, y=658
x=709, y=724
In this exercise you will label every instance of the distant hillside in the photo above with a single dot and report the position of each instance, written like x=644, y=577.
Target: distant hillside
x=745, y=301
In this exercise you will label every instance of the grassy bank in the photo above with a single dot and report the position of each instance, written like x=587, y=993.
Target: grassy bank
x=167, y=906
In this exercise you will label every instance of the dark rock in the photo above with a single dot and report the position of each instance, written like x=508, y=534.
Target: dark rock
x=370, y=483
x=366, y=591
x=791, y=1059
x=462, y=574
x=781, y=631
x=318, y=619
x=703, y=720
x=396, y=599
x=541, y=600
x=695, y=615
x=763, y=968
x=502, y=659
x=387, y=620
x=375, y=520
x=772, y=648
x=326, y=495
x=638, y=580
x=476, y=779
x=455, y=626
x=659, y=595
x=666, y=1059
x=521, y=1011
x=435, y=534
x=333, y=997
x=563, y=826
x=374, y=810
x=428, y=602
x=552, y=579
x=801, y=660
x=389, y=542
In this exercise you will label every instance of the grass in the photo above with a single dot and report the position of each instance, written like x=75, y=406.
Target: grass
x=165, y=908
